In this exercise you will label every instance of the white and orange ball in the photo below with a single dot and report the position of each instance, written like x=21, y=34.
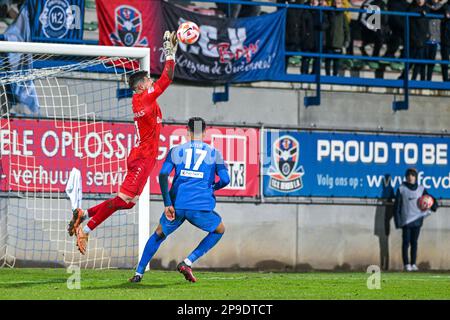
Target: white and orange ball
x=425, y=202
x=188, y=32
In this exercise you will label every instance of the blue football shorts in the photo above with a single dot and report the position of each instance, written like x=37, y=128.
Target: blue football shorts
x=205, y=220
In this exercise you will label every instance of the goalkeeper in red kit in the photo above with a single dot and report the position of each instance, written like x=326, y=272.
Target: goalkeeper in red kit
x=142, y=158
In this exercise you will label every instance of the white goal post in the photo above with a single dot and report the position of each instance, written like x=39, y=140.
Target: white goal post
x=43, y=51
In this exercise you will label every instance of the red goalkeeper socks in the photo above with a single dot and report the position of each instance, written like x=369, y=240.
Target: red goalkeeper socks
x=102, y=211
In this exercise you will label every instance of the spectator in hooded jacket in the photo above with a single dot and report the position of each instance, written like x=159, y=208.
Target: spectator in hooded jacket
x=409, y=217
x=337, y=38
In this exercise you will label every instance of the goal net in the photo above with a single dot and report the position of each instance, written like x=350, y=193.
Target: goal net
x=65, y=107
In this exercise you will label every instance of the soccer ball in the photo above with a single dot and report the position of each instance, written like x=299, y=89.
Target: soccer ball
x=188, y=32
x=425, y=202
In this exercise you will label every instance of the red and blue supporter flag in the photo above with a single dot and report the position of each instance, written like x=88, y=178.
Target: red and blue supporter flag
x=228, y=50
x=134, y=23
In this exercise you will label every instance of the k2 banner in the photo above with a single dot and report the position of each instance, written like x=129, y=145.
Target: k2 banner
x=333, y=164
x=38, y=155
x=229, y=50
x=56, y=19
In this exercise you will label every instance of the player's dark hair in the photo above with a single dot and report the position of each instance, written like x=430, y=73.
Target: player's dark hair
x=411, y=172
x=195, y=123
x=135, y=78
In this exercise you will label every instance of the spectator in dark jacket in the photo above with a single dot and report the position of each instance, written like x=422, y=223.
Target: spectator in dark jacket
x=433, y=43
x=307, y=42
x=320, y=26
x=293, y=28
x=337, y=38
x=372, y=33
x=239, y=10
x=409, y=217
x=396, y=26
x=419, y=35
x=249, y=10
x=445, y=41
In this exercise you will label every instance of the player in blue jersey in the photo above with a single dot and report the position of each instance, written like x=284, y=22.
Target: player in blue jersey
x=191, y=197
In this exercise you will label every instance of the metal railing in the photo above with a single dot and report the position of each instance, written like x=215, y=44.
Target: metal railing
x=405, y=84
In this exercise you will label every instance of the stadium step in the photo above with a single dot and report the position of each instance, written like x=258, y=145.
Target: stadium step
x=91, y=26
x=90, y=4
x=438, y=68
x=295, y=61
x=7, y=21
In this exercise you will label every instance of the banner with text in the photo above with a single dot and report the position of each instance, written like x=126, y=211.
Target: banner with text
x=333, y=164
x=229, y=50
x=38, y=155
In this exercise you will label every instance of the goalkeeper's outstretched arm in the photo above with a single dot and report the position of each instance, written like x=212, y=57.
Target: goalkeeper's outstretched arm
x=170, y=47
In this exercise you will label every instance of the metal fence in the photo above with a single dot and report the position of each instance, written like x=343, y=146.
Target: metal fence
x=405, y=84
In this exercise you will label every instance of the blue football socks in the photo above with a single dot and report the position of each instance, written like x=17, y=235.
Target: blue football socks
x=207, y=243
x=150, y=249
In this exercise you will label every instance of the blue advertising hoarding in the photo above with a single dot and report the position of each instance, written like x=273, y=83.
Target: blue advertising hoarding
x=351, y=165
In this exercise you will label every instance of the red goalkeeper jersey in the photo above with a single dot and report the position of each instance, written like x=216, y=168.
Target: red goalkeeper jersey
x=148, y=117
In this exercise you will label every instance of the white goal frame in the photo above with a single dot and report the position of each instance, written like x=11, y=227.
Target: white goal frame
x=142, y=54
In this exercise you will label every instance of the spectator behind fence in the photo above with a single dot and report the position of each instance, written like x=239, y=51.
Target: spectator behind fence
x=445, y=41
x=419, y=35
x=9, y=9
x=434, y=42
x=338, y=37
x=239, y=10
x=307, y=34
x=409, y=217
x=318, y=28
x=396, y=25
x=370, y=33
x=293, y=20
x=348, y=16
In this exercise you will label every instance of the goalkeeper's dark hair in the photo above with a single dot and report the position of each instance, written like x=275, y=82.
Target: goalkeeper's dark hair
x=135, y=78
x=196, y=123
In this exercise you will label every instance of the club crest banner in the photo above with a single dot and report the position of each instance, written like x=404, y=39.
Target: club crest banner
x=132, y=23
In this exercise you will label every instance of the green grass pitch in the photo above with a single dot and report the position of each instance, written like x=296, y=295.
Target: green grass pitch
x=112, y=284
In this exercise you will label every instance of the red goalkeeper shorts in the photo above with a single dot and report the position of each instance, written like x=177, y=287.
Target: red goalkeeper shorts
x=138, y=171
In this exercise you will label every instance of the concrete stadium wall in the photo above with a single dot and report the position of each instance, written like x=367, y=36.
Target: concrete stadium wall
x=297, y=237
x=306, y=237
x=273, y=106
x=280, y=236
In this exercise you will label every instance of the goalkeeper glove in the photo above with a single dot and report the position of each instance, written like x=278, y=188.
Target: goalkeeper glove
x=170, y=45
